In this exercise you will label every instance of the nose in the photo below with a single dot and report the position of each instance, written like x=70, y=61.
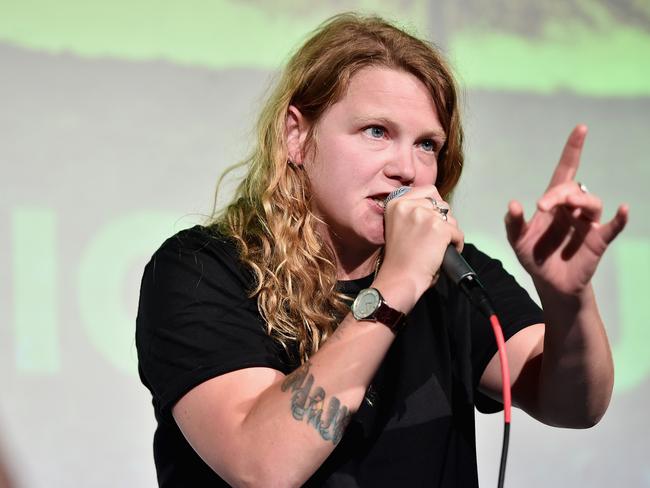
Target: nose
x=401, y=167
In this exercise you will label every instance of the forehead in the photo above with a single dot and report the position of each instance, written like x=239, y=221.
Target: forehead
x=389, y=93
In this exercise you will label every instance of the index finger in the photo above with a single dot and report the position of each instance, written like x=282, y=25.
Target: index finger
x=567, y=167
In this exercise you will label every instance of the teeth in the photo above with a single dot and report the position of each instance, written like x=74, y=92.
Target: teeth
x=380, y=201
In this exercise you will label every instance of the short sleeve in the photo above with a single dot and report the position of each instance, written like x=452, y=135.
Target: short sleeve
x=515, y=310
x=195, y=318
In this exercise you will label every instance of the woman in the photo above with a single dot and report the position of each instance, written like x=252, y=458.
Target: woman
x=260, y=373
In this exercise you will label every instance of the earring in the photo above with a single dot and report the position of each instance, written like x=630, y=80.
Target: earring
x=293, y=165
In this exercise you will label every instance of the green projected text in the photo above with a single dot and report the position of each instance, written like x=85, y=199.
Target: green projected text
x=110, y=255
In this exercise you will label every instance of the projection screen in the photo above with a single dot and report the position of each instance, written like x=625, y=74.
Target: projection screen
x=117, y=118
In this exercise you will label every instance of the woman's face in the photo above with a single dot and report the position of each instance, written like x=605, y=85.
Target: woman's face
x=384, y=133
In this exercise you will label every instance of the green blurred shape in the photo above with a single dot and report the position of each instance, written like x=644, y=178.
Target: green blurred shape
x=103, y=274
x=35, y=274
x=570, y=58
x=217, y=34
x=631, y=350
x=603, y=57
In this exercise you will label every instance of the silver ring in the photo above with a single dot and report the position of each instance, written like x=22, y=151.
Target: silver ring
x=583, y=187
x=442, y=209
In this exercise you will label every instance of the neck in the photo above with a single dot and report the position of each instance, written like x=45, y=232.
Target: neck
x=352, y=264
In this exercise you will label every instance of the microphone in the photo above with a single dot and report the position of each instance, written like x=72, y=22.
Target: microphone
x=457, y=269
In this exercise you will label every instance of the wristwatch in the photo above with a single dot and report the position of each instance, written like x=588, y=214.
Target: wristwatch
x=371, y=306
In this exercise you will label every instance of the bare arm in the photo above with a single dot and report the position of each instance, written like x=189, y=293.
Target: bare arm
x=562, y=372
x=561, y=375
x=256, y=427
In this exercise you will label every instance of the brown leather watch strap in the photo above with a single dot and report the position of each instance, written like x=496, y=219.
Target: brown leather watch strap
x=393, y=319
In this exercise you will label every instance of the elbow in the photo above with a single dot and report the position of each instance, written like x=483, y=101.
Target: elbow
x=593, y=415
x=256, y=472
x=571, y=420
x=585, y=415
x=269, y=478
x=258, y=478
x=586, y=421
x=596, y=406
x=582, y=412
x=582, y=406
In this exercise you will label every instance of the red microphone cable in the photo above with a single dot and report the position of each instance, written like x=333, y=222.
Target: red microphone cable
x=477, y=295
x=507, y=398
x=462, y=274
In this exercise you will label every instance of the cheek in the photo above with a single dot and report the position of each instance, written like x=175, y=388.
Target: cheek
x=338, y=162
x=426, y=175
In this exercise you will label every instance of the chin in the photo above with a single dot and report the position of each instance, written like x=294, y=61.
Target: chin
x=376, y=237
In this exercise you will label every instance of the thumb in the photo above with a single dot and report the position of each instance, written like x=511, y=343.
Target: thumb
x=515, y=223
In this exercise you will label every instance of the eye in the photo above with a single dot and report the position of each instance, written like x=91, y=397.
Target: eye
x=429, y=145
x=375, y=131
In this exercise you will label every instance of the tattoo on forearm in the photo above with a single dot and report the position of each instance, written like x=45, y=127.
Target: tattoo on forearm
x=307, y=403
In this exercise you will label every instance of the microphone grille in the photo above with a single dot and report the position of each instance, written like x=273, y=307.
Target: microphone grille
x=396, y=193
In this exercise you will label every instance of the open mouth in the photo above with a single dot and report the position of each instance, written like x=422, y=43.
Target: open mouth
x=380, y=200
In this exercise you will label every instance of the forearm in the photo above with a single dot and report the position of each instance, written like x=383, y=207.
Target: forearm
x=296, y=423
x=576, y=373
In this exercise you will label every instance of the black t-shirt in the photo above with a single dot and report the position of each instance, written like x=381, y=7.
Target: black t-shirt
x=416, y=425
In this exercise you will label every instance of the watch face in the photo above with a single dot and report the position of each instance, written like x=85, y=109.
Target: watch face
x=366, y=303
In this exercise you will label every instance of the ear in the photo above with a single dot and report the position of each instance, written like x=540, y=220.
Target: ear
x=296, y=130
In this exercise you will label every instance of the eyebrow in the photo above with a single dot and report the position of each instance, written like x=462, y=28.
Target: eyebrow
x=436, y=133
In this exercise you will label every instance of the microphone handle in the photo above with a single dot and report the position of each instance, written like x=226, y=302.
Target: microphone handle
x=455, y=266
x=462, y=274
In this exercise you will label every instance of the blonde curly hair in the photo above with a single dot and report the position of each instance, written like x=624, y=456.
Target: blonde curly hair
x=270, y=215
